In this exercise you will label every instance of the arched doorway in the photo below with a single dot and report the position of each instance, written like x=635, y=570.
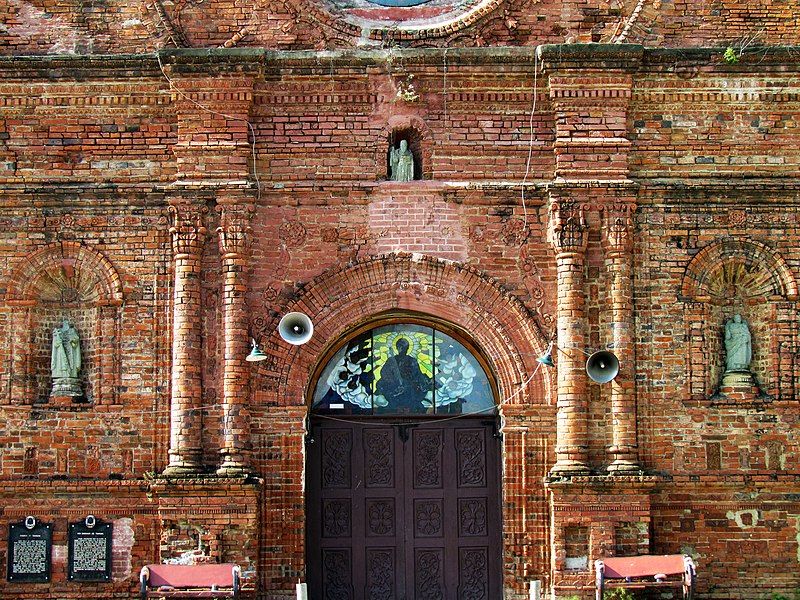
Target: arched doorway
x=403, y=470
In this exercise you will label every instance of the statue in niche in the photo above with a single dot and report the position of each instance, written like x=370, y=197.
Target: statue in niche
x=65, y=361
x=401, y=160
x=738, y=345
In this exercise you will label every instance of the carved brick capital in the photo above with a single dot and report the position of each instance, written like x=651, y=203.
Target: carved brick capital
x=234, y=230
x=567, y=227
x=617, y=230
x=187, y=228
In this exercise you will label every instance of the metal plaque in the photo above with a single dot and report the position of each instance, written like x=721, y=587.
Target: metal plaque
x=30, y=545
x=89, y=553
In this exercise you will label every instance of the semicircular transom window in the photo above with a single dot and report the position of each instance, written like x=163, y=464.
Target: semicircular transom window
x=403, y=369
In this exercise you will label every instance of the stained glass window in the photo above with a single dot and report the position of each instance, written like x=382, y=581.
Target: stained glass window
x=403, y=369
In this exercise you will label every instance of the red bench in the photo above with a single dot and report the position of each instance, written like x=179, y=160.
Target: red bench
x=190, y=581
x=638, y=572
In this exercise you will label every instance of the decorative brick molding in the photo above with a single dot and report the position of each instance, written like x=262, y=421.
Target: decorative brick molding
x=343, y=298
x=762, y=273
x=50, y=272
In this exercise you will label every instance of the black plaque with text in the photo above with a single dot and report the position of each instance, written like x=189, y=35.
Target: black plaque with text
x=89, y=553
x=30, y=546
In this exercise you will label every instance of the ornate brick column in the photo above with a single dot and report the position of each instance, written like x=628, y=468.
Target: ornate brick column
x=618, y=246
x=568, y=237
x=234, y=238
x=188, y=234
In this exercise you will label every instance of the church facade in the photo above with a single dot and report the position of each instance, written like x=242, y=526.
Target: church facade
x=451, y=192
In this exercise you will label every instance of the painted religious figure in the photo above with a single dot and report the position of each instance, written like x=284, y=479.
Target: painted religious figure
x=402, y=383
x=402, y=162
x=403, y=369
x=738, y=345
x=65, y=361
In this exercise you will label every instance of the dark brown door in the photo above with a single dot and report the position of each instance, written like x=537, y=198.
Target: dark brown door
x=404, y=512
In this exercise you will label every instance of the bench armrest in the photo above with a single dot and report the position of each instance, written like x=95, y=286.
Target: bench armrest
x=237, y=572
x=144, y=576
x=599, y=572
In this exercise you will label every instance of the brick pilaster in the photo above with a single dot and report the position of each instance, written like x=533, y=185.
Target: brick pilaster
x=618, y=246
x=188, y=233
x=234, y=237
x=568, y=237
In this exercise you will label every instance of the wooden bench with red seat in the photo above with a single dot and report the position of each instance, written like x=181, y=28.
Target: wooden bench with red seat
x=190, y=581
x=639, y=572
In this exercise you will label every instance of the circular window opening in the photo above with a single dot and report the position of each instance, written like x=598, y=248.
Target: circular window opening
x=398, y=2
x=403, y=369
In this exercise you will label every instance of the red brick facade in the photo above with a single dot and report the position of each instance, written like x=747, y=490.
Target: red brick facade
x=173, y=205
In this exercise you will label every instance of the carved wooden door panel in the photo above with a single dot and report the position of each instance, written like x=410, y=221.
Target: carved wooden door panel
x=409, y=512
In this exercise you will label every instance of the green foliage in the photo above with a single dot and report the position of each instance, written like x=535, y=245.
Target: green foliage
x=778, y=596
x=730, y=56
x=618, y=594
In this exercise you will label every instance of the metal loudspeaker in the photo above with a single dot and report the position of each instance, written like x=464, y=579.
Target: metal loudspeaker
x=296, y=328
x=602, y=366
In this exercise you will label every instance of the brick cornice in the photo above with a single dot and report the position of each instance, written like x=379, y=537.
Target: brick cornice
x=590, y=57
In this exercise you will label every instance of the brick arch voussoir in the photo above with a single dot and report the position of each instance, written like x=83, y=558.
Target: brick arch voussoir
x=704, y=269
x=340, y=300
x=91, y=266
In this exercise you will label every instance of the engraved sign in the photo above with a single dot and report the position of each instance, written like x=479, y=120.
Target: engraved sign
x=30, y=545
x=89, y=553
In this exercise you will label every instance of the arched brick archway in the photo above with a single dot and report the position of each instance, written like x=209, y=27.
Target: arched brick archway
x=753, y=268
x=43, y=276
x=507, y=333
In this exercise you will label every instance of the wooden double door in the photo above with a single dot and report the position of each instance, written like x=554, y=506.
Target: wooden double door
x=404, y=512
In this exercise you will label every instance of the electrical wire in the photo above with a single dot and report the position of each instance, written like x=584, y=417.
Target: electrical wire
x=530, y=143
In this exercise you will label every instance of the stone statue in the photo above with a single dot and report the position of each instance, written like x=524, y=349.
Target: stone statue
x=65, y=361
x=738, y=345
x=402, y=162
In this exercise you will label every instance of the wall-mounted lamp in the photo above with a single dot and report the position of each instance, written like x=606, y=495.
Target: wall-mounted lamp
x=256, y=354
x=546, y=359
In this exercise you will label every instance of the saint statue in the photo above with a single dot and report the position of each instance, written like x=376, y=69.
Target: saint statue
x=65, y=361
x=402, y=162
x=738, y=345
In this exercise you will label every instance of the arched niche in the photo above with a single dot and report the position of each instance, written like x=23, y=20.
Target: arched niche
x=735, y=276
x=342, y=299
x=64, y=280
x=416, y=133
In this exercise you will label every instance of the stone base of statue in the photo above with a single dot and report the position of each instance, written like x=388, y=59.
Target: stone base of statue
x=740, y=388
x=66, y=386
x=737, y=379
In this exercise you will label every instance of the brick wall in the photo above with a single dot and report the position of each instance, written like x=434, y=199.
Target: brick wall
x=60, y=26
x=97, y=151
